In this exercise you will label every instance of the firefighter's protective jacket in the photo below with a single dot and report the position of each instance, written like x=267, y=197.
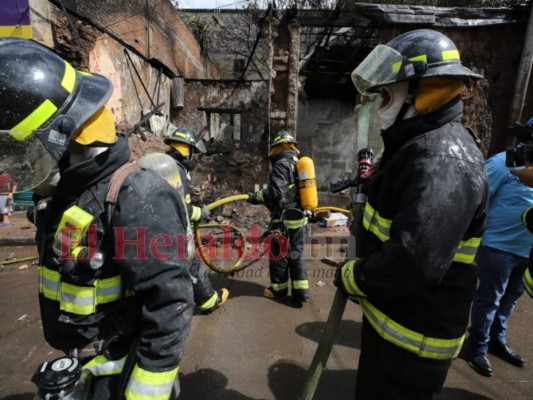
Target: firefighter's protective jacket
x=424, y=218
x=143, y=290
x=282, y=190
x=528, y=276
x=184, y=166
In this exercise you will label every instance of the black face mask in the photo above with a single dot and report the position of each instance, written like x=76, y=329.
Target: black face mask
x=187, y=162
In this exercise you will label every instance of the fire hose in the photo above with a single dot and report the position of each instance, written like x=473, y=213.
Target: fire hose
x=318, y=364
x=244, y=244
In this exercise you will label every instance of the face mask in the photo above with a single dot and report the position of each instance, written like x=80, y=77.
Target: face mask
x=79, y=153
x=392, y=99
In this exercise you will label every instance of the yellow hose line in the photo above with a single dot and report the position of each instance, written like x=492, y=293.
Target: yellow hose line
x=205, y=256
x=201, y=247
x=227, y=200
x=238, y=264
x=325, y=208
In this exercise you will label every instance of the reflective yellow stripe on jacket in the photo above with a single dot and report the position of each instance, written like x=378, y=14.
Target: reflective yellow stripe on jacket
x=376, y=224
x=196, y=214
x=81, y=300
x=379, y=226
x=392, y=331
x=348, y=280
x=466, y=252
x=144, y=385
x=423, y=346
x=528, y=282
x=102, y=366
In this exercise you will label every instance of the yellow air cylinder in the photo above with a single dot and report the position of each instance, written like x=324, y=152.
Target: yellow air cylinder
x=307, y=183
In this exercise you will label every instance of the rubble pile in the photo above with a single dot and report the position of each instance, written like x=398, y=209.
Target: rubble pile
x=227, y=169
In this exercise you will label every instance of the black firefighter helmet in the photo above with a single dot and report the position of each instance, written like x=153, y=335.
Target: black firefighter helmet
x=43, y=101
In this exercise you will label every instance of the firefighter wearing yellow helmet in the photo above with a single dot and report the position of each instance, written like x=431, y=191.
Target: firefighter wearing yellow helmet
x=288, y=222
x=58, y=136
x=183, y=144
x=423, y=221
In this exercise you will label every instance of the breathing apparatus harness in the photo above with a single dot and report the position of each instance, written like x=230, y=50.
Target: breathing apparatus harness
x=77, y=244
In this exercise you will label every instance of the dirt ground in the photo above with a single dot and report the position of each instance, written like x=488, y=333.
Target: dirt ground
x=253, y=348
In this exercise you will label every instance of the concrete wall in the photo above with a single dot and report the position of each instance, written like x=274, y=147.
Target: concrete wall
x=327, y=134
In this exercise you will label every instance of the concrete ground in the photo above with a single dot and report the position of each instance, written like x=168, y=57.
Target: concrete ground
x=253, y=347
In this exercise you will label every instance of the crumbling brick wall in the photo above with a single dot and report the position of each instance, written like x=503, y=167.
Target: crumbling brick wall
x=139, y=44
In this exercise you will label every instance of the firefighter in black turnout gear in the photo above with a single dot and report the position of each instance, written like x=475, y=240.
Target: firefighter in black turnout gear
x=288, y=222
x=423, y=222
x=183, y=144
x=101, y=287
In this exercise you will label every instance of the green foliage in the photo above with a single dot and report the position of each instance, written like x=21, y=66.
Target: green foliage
x=201, y=30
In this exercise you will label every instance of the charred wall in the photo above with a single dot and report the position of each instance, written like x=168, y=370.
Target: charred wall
x=139, y=44
x=225, y=110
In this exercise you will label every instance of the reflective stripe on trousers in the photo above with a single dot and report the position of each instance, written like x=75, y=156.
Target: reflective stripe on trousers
x=423, y=346
x=300, y=285
x=144, y=385
x=278, y=287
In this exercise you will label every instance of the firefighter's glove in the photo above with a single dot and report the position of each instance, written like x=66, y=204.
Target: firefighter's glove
x=205, y=213
x=309, y=214
x=345, y=280
x=255, y=197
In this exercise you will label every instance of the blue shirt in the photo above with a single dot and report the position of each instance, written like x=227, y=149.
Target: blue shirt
x=509, y=198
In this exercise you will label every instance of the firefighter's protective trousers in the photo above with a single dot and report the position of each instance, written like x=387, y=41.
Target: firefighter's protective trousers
x=205, y=296
x=287, y=260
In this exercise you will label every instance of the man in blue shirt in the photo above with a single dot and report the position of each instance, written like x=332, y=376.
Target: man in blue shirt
x=502, y=260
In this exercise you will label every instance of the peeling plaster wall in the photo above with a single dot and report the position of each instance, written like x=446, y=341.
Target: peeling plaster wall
x=98, y=52
x=248, y=99
x=129, y=97
x=326, y=133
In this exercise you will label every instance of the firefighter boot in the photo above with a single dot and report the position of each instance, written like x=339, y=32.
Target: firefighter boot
x=270, y=293
x=223, y=295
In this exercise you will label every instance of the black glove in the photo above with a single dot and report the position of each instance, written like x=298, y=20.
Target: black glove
x=252, y=198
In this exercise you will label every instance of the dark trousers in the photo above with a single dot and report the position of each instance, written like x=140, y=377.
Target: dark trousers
x=287, y=257
x=388, y=372
x=202, y=287
x=500, y=287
